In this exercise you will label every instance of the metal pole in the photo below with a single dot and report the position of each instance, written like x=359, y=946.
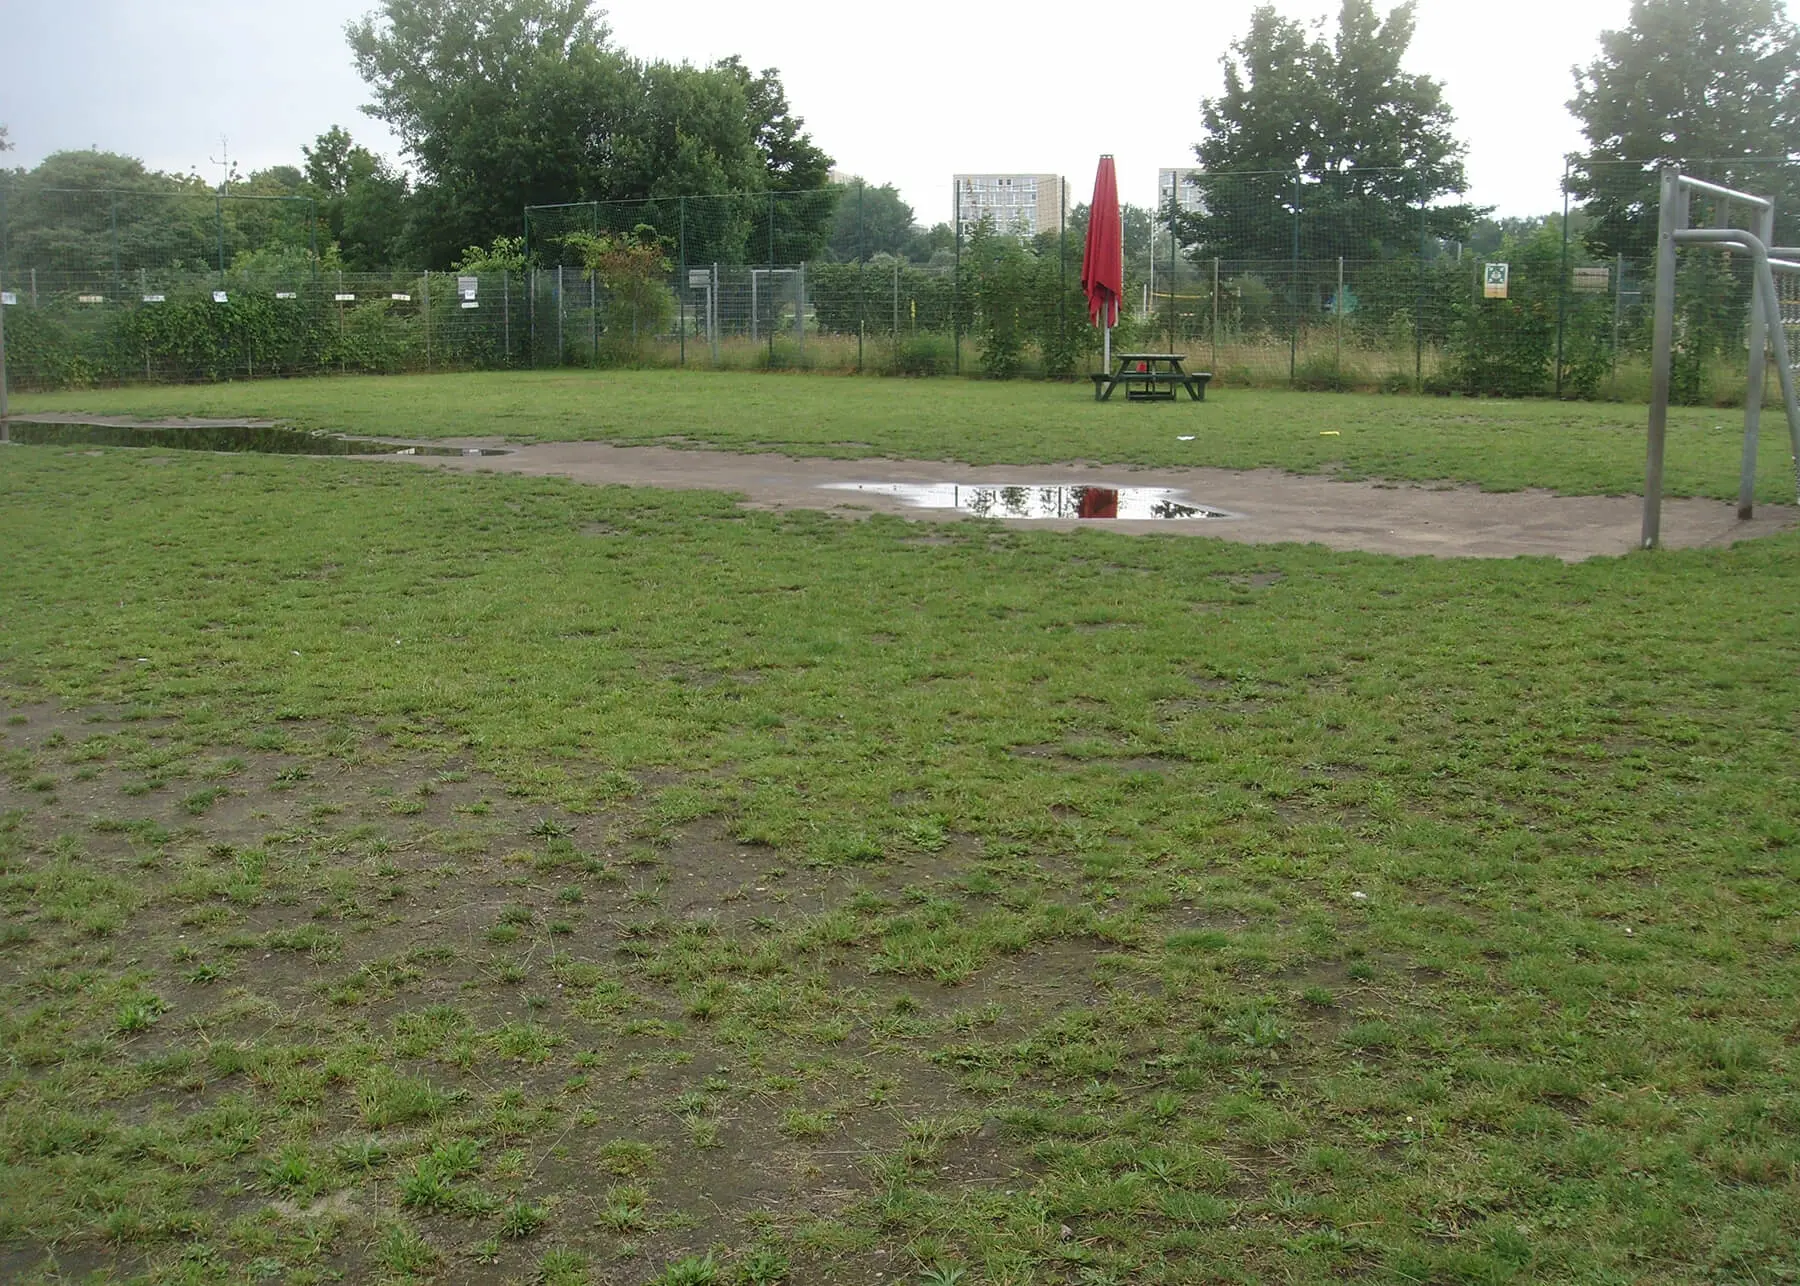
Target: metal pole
x=896, y=334
x=559, y=315
x=1215, y=314
x=682, y=292
x=1562, y=284
x=1662, y=348
x=1340, y=320
x=956, y=278
x=1062, y=265
x=425, y=304
x=861, y=267
x=594, y=316
x=771, y=283
x=506, y=312
x=1618, y=307
x=5, y=432
x=1294, y=289
x=531, y=311
x=754, y=310
x=1753, y=392
x=219, y=219
x=113, y=220
x=1419, y=300
x=712, y=302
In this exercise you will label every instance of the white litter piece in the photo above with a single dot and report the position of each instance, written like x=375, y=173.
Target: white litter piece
x=1184, y=437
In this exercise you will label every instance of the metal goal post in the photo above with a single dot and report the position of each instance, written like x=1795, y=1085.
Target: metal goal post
x=1766, y=323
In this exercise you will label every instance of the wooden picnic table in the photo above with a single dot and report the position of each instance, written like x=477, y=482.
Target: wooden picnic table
x=1150, y=377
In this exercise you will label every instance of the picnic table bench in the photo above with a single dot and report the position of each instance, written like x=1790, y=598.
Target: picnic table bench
x=1150, y=377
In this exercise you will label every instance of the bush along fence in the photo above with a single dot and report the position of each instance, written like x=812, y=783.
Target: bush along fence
x=729, y=282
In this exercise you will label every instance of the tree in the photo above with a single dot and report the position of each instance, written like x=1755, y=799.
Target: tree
x=1703, y=84
x=509, y=103
x=1338, y=128
x=5, y=142
x=364, y=202
x=870, y=220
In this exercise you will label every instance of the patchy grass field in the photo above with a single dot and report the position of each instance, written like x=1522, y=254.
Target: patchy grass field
x=415, y=876
x=1571, y=447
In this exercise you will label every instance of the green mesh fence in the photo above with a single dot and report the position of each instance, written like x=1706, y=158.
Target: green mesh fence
x=1270, y=278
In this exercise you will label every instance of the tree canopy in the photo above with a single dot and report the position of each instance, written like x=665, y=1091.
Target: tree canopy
x=1337, y=126
x=509, y=103
x=871, y=220
x=1704, y=84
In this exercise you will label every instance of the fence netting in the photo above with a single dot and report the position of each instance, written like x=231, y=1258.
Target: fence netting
x=1273, y=279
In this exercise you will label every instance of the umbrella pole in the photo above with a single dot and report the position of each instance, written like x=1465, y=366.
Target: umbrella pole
x=1106, y=347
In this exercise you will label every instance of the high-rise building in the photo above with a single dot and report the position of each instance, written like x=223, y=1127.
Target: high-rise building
x=1184, y=186
x=1020, y=204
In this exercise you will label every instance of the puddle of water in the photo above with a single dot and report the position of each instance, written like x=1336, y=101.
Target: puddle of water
x=1053, y=501
x=218, y=437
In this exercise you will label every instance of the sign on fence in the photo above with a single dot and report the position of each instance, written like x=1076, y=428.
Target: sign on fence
x=343, y=298
x=1593, y=280
x=220, y=297
x=155, y=299
x=466, y=287
x=90, y=299
x=8, y=298
x=287, y=294
x=1493, y=281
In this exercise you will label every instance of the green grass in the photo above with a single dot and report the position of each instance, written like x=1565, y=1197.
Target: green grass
x=1570, y=447
x=1030, y=907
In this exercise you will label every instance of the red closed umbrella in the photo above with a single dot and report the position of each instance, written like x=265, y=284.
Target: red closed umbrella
x=1103, y=260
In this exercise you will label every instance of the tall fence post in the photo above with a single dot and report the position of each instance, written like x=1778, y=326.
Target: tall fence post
x=1419, y=299
x=956, y=278
x=1618, y=307
x=681, y=292
x=1338, y=300
x=506, y=313
x=531, y=292
x=425, y=307
x=1562, y=284
x=862, y=264
x=770, y=291
x=1294, y=290
x=112, y=217
x=1215, y=314
x=5, y=431
x=1062, y=266
x=219, y=221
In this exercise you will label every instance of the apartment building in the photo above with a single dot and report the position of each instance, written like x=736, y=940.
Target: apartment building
x=1183, y=185
x=1021, y=204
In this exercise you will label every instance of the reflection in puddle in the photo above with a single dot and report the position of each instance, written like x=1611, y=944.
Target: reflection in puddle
x=1034, y=501
x=222, y=437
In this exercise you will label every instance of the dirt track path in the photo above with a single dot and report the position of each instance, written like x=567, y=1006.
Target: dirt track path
x=1269, y=506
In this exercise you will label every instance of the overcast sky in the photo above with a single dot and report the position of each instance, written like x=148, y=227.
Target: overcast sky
x=907, y=93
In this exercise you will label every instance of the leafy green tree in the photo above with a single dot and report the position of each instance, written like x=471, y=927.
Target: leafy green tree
x=871, y=220
x=1693, y=83
x=89, y=212
x=1336, y=126
x=365, y=204
x=509, y=103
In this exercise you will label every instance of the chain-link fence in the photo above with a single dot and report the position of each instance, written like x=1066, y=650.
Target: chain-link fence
x=1271, y=278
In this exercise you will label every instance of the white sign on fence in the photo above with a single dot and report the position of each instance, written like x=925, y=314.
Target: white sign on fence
x=8, y=298
x=405, y=299
x=1493, y=281
x=470, y=303
x=1593, y=280
x=90, y=299
x=467, y=286
x=220, y=297
x=344, y=299
x=287, y=294
x=154, y=299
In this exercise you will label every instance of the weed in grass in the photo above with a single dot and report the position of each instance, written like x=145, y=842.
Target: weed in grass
x=622, y=1208
x=562, y=1267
